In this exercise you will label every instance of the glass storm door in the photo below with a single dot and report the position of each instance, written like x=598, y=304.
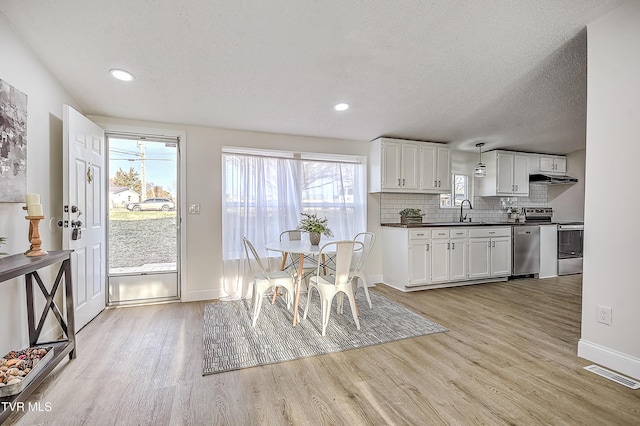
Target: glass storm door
x=143, y=232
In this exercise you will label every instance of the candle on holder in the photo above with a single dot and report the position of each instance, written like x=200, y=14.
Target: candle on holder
x=33, y=199
x=34, y=210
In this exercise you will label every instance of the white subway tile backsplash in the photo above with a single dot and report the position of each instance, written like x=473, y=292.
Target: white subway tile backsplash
x=485, y=209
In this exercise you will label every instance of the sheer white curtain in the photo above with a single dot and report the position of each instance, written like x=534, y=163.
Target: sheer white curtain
x=264, y=195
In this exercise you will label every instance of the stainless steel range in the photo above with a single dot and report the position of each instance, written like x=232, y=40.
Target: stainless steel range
x=570, y=243
x=570, y=239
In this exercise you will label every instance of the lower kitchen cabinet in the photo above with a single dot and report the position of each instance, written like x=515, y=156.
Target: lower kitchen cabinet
x=419, y=259
x=448, y=255
x=439, y=257
x=489, y=252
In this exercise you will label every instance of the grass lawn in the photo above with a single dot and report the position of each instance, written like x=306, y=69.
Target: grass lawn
x=124, y=214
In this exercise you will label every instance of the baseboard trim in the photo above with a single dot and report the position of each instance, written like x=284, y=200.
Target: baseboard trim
x=373, y=279
x=200, y=295
x=609, y=358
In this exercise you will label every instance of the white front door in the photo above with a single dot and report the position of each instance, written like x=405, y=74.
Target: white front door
x=84, y=229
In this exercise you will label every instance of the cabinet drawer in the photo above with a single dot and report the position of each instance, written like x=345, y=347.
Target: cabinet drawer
x=440, y=233
x=449, y=233
x=458, y=233
x=419, y=234
x=489, y=232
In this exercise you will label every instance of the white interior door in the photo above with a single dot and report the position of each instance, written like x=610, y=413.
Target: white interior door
x=84, y=229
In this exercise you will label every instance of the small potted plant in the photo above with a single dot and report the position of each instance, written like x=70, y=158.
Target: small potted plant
x=315, y=226
x=410, y=216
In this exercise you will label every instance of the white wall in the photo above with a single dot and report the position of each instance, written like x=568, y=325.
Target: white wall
x=613, y=151
x=568, y=200
x=21, y=69
x=46, y=96
x=203, y=255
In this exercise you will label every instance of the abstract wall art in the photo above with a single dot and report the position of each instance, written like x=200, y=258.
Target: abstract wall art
x=13, y=144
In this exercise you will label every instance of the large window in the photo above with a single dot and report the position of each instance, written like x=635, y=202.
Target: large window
x=460, y=192
x=264, y=193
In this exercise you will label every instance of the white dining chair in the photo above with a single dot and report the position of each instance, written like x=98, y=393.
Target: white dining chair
x=337, y=282
x=360, y=279
x=294, y=260
x=263, y=280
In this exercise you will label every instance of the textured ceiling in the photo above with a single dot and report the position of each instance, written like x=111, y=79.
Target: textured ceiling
x=508, y=73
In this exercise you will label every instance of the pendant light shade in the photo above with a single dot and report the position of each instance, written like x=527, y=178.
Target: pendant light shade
x=481, y=169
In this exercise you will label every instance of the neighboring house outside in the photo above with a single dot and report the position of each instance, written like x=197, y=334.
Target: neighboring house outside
x=120, y=196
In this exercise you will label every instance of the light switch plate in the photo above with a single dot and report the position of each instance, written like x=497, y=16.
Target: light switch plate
x=194, y=209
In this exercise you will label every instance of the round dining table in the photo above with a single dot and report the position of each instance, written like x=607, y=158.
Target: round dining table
x=301, y=248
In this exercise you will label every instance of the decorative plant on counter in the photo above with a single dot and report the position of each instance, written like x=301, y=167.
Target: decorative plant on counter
x=411, y=216
x=315, y=227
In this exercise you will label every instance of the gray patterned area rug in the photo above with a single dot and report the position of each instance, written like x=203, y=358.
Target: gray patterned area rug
x=230, y=343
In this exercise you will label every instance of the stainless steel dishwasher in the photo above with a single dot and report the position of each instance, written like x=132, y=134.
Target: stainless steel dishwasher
x=526, y=249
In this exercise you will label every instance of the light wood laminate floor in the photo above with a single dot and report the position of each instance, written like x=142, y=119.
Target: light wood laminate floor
x=509, y=358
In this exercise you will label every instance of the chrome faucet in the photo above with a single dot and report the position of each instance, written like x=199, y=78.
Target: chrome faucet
x=462, y=205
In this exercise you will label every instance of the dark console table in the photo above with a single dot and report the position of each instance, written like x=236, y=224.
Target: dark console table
x=19, y=265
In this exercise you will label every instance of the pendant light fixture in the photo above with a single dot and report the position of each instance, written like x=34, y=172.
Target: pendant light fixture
x=481, y=168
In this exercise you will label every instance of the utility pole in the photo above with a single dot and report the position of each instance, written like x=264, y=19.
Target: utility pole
x=143, y=174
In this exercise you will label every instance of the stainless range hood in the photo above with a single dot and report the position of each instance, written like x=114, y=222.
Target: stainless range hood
x=542, y=179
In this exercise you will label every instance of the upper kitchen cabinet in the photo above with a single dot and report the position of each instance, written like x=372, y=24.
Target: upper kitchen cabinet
x=552, y=164
x=394, y=165
x=435, y=168
x=507, y=174
x=398, y=165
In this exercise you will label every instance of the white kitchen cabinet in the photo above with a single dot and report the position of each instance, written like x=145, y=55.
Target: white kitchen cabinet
x=435, y=168
x=419, y=258
x=448, y=254
x=489, y=252
x=479, y=258
x=501, y=256
x=507, y=174
x=423, y=257
x=405, y=254
x=398, y=165
x=548, y=251
x=548, y=164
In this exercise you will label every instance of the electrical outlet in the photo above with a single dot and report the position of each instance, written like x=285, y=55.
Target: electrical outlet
x=604, y=314
x=194, y=209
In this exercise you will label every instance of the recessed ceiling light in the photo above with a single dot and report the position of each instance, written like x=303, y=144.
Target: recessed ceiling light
x=121, y=75
x=341, y=107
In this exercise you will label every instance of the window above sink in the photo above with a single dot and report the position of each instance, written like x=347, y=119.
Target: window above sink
x=460, y=191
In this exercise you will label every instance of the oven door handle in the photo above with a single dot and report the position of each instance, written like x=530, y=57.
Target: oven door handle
x=570, y=227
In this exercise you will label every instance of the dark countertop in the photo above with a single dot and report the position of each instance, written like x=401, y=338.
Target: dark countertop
x=450, y=224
